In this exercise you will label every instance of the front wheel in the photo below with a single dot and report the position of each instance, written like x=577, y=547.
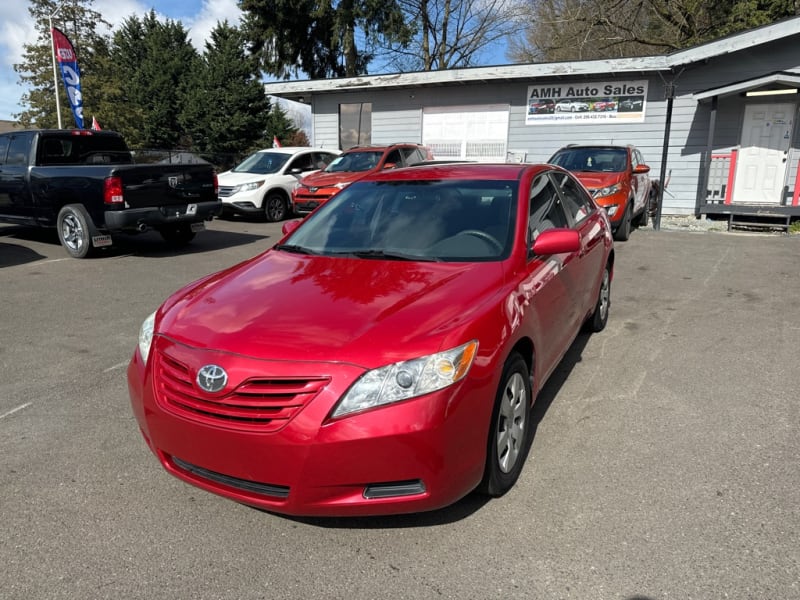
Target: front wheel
x=509, y=433
x=75, y=229
x=275, y=208
x=177, y=235
x=624, y=229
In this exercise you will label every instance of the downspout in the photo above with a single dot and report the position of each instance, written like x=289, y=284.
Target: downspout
x=669, y=94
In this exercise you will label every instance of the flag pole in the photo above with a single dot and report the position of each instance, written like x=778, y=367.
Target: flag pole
x=53, y=52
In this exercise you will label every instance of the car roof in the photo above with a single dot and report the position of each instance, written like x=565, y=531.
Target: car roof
x=487, y=171
x=381, y=147
x=296, y=149
x=597, y=146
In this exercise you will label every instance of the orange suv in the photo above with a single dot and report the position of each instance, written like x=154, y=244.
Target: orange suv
x=353, y=164
x=616, y=177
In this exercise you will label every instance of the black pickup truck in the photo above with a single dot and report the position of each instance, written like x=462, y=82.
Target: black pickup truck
x=84, y=183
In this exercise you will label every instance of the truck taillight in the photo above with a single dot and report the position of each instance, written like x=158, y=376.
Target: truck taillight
x=112, y=190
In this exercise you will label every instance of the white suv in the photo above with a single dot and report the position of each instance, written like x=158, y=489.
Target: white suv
x=262, y=183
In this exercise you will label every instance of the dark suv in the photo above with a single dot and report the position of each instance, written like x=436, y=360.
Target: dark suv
x=617, y=178
x=351, y=165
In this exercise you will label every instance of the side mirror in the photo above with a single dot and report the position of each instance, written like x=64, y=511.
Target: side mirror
x=289, y=226
x=640, y=169
x=295, y=171
x=389, y=165
x=556, y=241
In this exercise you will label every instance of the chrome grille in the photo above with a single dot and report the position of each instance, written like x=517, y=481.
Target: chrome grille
x=258, y=404
x=225, y=191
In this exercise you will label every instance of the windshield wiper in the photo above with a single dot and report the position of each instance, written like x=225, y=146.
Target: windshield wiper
x=295, y=249
x=382, y=254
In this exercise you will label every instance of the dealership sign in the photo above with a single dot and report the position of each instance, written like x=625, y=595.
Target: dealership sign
x=585, y=103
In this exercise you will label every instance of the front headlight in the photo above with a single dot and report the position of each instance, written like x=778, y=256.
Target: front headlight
x=608, y=191
x=407, y=379
x=146, y=336
x=249, y=187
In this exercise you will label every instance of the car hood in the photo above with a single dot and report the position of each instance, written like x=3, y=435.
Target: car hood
x=594, y=180
x=231, y=178
x=284, y=306
x=323, y=179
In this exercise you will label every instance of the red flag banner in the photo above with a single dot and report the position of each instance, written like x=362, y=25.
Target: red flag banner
x=70, y=73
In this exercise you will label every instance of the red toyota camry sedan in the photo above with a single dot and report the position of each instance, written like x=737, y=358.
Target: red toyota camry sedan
x=384, y=356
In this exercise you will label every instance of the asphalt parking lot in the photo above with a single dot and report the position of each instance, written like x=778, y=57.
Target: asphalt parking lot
x=664, y=462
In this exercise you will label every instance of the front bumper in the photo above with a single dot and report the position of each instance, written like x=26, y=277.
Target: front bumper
x=412, y=456
x=157, y=216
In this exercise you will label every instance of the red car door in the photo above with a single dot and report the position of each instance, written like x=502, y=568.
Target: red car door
x=549, y=283
x=587, y=220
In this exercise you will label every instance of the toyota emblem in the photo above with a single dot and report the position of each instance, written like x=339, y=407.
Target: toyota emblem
x=212, y=378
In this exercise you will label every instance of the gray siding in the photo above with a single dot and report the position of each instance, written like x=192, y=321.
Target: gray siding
x=397, y=115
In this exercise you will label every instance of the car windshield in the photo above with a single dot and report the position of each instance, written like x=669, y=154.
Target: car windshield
x=450, y=220
x=262, y=163
x=355, y=162
x=591, y=159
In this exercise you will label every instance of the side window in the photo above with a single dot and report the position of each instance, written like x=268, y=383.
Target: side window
x=302, y=162
x=18, y=149
x=4, y=139
x=545, y=211
x=322, y=159
x=413, y=156
x=576, y=200
x=393, y=158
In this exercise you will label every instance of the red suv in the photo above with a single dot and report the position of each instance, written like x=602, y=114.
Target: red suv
x=353, y=164
x=617, y=178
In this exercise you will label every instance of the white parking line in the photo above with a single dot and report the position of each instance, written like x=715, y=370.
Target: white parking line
x=122, y=364
x=13, y=410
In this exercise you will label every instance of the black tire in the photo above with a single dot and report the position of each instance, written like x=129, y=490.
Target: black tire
x=641, y=221
x=75, y=230
x=597, y=322
x=275, y=207
x=510, y=430
x=624, y=230
x=177, y=236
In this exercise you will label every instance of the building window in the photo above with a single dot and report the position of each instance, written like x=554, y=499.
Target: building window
x=355, y=125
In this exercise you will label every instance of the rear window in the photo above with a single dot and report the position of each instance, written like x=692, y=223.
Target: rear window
x=82, y=150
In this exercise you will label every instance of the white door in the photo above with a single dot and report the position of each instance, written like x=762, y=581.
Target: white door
x=762, y=161
x=478, y=133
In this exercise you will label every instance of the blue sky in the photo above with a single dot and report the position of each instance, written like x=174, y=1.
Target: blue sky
x=17, y=29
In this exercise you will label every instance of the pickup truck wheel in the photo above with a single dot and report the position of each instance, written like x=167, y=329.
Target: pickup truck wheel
x=275, y=208
x=177, y=235
x=75, y=229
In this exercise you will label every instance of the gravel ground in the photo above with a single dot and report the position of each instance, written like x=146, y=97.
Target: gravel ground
x=702, y=224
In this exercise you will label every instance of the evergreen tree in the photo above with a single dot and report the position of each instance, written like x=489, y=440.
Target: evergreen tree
x=79, y=22
x=155, y=61
x=318, y=37
x=225, y=109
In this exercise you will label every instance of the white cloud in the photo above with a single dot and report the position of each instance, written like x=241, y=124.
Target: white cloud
x=17, y=29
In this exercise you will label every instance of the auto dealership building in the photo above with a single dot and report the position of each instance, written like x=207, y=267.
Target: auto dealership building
x=716, y=122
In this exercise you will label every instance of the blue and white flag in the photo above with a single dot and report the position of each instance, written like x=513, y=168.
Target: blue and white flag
x=70, y=73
